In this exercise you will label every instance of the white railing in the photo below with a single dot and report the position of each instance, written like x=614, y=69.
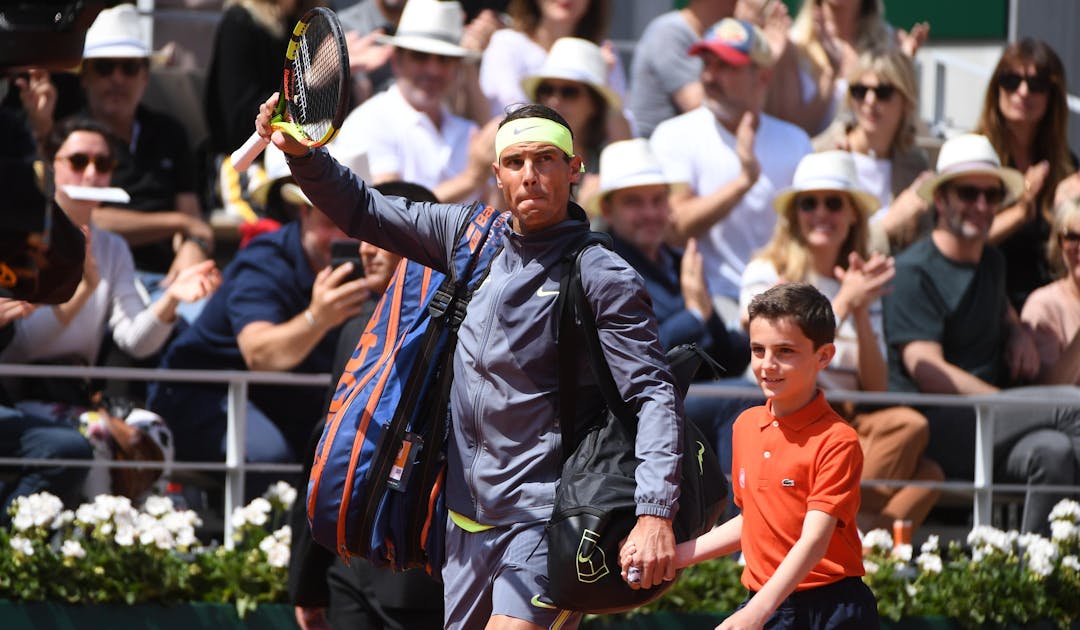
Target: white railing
x=941, y=64
x=235, y=465
x=983, y=484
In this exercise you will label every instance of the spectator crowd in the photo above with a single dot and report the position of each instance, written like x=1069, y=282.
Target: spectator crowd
x=741, y=147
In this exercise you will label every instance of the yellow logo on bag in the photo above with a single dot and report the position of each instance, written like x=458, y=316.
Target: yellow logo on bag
x=592, y=566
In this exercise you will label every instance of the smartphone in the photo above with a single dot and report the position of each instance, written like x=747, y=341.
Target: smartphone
x=347, y=250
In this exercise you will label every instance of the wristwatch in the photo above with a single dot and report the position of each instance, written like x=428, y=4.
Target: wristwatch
x=201, y=243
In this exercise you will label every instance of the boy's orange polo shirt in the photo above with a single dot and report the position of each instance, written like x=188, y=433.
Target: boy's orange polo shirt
x=781, y=468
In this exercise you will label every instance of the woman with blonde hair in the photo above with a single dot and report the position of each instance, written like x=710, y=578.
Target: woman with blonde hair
x=879, y=129
x=821, y=238
x=1025, y=116
x=1053, y=311
x=825, y=41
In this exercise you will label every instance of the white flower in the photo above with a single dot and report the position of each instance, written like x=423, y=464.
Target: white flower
x=1071, y=562
x=260, y=504
x=283, y=535
x=125, y=536
x=1041, y=554
x=1066, y=509
x=72, y=549
x=62, y=519
x=931, y=545
x=929, y=563
x=911, y=590
x=1064, y=531
x=985, y=540
x=157, y=506
x=22, y=545
x=878, y=540
x=254, y=515
x=278, y=556
x=283, y=493
x=870, y=566
x=35, y=510
x=902, y=552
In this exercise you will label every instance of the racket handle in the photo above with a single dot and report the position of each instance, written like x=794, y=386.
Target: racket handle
x=246, y=154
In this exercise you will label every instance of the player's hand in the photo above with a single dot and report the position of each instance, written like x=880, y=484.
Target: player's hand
x=650, y=550
x=283, y=141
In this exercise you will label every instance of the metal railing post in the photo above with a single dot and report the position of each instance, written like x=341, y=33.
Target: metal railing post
x=984, y=464
x=939, y=91
x=235, y=454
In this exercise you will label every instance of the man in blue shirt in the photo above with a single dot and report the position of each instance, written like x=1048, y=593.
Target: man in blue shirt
x=279, y=308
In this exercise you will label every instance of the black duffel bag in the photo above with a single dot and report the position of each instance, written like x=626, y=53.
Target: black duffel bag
x=594, y=504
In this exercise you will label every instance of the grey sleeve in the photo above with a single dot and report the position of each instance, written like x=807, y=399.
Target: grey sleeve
x=631, y=344
x=423, y=232
x=666, y=53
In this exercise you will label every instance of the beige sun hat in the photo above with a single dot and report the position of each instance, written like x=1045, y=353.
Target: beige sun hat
x=116, y=33
x=626, y=164
x=276, y=169
x=972, y=154
x=828, y=170
x=431, y=26
x=574, y=59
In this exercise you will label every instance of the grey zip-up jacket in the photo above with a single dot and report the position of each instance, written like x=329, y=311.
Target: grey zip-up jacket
x=505, y=452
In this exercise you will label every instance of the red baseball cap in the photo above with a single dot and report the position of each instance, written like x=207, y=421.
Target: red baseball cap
x=737, y=42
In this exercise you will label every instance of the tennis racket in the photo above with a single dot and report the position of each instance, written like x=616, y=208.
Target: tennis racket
x=314, y=95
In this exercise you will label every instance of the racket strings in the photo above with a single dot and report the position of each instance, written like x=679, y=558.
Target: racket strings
x=314, y=82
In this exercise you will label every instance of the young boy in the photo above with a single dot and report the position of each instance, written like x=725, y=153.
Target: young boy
x=795, y=474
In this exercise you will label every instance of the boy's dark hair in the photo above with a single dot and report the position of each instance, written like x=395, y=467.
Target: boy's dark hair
x=803, y=304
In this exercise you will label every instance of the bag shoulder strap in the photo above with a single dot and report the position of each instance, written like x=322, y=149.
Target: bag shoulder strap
x=476, y=243
x=577, y=326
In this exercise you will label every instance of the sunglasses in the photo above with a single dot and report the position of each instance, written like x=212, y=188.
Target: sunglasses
x=970, y=194
x=128, y=67
x=1010, y=82
x=79, y=162
x=564, y=92
x=1068, y=237
x=809, y=203
x=882, y=92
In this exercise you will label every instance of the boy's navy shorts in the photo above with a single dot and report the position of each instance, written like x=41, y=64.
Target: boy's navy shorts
x=848, y=604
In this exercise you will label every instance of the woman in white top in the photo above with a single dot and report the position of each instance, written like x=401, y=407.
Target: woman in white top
x=106, y=298
x=518, y=52
x=821, y=238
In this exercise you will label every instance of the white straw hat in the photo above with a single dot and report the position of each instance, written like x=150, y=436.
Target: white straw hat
x=972, y=154
x=626, y=164
x=431, y=26
x=574, y=59
x=116, y=33
x=828, y=170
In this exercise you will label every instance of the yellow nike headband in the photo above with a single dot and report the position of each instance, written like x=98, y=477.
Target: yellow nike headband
x=533, y=130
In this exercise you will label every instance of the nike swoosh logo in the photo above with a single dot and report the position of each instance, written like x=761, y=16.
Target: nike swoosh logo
x=535, y=601
x=521, y=130
x=545, y=293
